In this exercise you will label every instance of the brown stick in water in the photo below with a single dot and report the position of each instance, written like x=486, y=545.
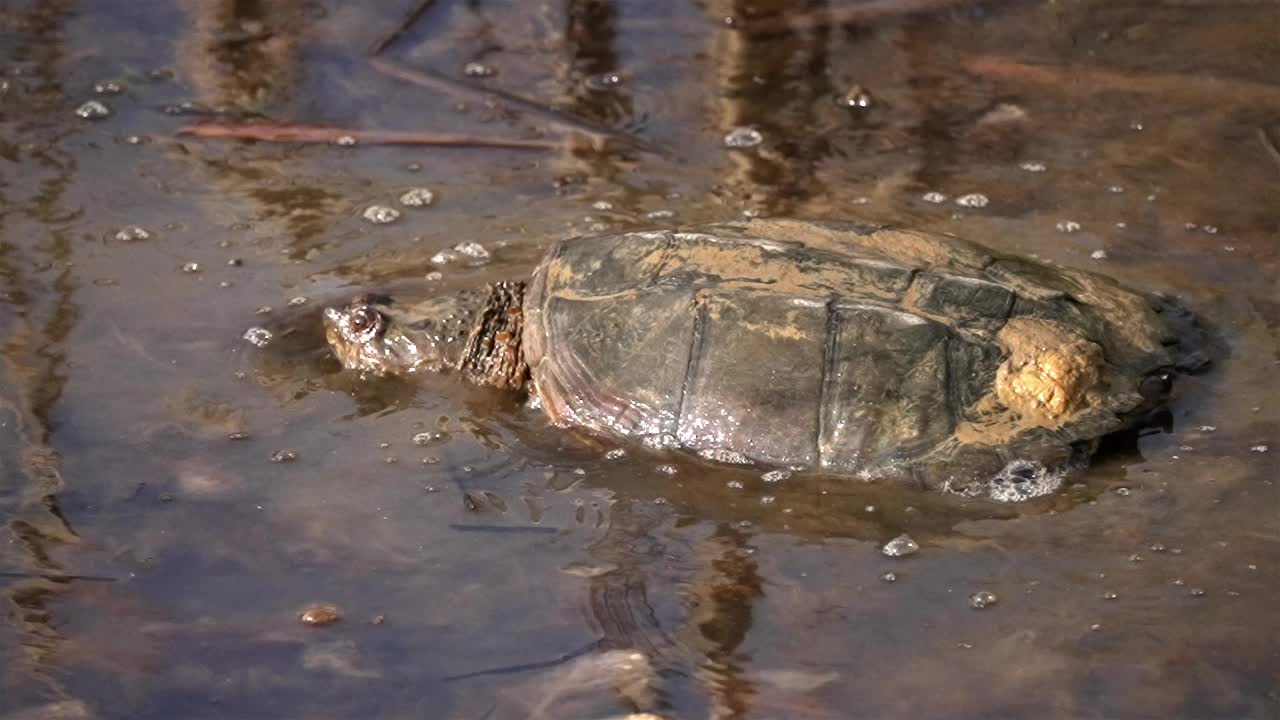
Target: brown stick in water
x=841, y=15
x=301, y=133
x=409, y=20
x=1086, y=80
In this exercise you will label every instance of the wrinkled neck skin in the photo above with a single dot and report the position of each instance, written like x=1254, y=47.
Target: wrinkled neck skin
x=476, y=333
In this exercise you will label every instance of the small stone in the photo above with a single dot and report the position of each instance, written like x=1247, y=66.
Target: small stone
x=238, y=435
x=284, y=456
x=108, y=87
x=319, y=614
x=1098, y=254
x=380, y=214
x=983, y=599
x=900, y=546
x=1197, y=592
x=93, y=110
x=417, y=197
x=889, y=577
x=191, y=268
x=741, y=138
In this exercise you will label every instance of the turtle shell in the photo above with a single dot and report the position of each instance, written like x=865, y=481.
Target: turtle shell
x=853, y=349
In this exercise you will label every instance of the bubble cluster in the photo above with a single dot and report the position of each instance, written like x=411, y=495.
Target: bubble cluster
x=1068, y=226
x=93, y=110
x=478, y=69
x=380, y=214
x=973, y=200
x=417, y=197
x=1033, y=167
x=774, y=476
x=132, y=233
x=473, y=253
x=258, y=336
x=983, y=599
x=934, y=197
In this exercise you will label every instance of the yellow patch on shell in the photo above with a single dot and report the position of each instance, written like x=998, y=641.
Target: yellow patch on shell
x=1051, y=371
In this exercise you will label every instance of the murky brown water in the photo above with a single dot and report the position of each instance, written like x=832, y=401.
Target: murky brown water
x=153, y=566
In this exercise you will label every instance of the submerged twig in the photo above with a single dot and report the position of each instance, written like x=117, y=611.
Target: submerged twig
x=1075, y=78
x=433, y=80
x=1264, y=135
x=503, y=529
x=409, y=20
x=843, y=15
x=56, y=577
x=301, y=133
x=525, y=667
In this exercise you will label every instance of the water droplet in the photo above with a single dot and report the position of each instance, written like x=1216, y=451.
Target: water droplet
x=284, y=456
x=774, y=476
x=1035, y=167
x=191, y=267
x=132, y=233
x=856, y=97
x=258, y=336
x=1068, y=226
x=973, y=200
x=380, y=214
x=983, y=599
x=900, y=546
x=934, y=197
x=1098, y=254
x=741, y=138
x=93, y=110
x=417, y=197
x=108, y=87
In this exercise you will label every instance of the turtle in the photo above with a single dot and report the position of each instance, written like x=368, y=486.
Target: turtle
x=845, y=348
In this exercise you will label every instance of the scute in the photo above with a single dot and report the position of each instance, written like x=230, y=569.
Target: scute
x=856, y=349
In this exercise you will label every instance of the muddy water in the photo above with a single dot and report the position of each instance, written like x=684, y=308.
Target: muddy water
x=172, y=496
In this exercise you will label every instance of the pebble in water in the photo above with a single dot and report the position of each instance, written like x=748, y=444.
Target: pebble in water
x=297, y=301
x=283, y=456
x=973, y=200
x=1068, y=226
x=191, y=267
x=1258, y=448
x=734, y=484
x=743, y=137
x=108, y=87
x=982, y=599
x=417, y=197
x=380, y=214
x=1098, y=254
x=889, y=577
x=900, y=546
x=319, y=614
x=774, y=476
x=936, y=198
x=93, y=110
x=132, y=233
x=258, y=336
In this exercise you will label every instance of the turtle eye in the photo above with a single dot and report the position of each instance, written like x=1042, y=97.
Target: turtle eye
x=365, y=320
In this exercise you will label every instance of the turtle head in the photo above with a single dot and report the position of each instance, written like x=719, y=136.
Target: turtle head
x=476, y=332
x=381, y=335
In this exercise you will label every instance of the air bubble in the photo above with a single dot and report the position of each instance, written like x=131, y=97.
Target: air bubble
x=284, y=456
x=132, y=233
x=1068, y=226
x=476, y=69
x=108, y=87
x=615, y=454
x=774, y=476
x=973, y=200
x=936, y=198
x=472, y=252
x=1033, y=167
x=983, y=599
x=741, y=138
x=191, y=267
x=1098, y=254
x=93, y=110
x=900, y=546
x=258, y=336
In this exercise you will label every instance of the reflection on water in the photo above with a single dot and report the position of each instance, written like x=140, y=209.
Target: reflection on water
x=172, y=495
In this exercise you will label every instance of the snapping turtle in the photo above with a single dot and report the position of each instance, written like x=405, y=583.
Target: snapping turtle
x=847, y=348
